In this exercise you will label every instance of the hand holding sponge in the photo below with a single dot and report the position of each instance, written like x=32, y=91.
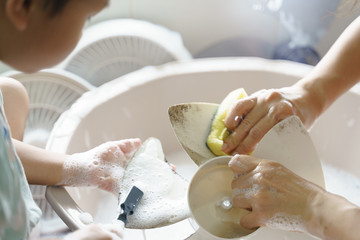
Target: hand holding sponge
x=218, y=130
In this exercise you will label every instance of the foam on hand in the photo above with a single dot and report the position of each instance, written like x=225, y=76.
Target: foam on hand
x=164, y=200
x=102, y=167
x=286, y=222
x=246, y=192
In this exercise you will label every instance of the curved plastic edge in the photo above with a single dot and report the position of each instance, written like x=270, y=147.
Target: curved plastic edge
x=65, y=207
x=70, y=119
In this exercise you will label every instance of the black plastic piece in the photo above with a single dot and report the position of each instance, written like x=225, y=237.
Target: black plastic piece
x=128, y=207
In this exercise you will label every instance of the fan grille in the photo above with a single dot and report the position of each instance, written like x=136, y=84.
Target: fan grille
x=112, y=57
x=50, y=94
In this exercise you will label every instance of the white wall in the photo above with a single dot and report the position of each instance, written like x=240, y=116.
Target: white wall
x=340, y=22
x=205, y=23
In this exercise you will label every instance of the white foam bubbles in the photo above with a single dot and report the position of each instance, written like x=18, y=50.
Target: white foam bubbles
x=164, y=200
x=86, y=218
x=101, y=167
x=286, y=222
x=246, y=192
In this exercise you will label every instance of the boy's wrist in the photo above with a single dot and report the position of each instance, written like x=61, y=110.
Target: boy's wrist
x=73, y=171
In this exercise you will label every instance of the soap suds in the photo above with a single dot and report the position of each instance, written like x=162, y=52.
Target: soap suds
x=164, y=200
x=246, y=192
x=101, y=167
x=286, y=222
x=86, y=218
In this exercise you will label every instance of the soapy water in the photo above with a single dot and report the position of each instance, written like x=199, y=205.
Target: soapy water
x=218, y=212
x=164, y=199
x=342, y=183
x=337, y=181
x=225, y=203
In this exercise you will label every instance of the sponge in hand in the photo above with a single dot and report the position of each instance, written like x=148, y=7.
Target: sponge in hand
x=218, y=130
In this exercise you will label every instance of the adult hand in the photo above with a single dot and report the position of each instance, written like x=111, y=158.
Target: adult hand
x=96, y=232
x=277, y=197
x=103, y=166
x=250, y=118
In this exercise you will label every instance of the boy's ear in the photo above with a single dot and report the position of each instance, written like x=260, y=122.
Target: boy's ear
x=18, y=12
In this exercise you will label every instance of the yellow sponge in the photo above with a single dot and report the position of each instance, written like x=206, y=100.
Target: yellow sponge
x=218, y=130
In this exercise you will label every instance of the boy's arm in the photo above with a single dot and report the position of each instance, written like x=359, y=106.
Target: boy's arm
x=102, y=166
x=41, y=167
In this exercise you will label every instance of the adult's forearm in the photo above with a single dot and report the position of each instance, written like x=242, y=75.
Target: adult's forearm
x=336, y=73
x=41, y=167
x=334, y=218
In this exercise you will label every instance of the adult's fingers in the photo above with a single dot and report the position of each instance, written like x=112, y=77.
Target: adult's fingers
x=243, y=119
x=240, y=201
x=245, y=190
x=241, y=164
x=276, y=114
x=243, y=185
x=250, y=221
x=242, y=130
x=255, y=125
x=256, y=133
x=241, y=108
x=237, y=110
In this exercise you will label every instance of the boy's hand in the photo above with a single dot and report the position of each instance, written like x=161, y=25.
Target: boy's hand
x=98, y=232
x=102, y=167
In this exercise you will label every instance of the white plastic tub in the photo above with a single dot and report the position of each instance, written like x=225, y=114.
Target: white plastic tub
x=136, y=106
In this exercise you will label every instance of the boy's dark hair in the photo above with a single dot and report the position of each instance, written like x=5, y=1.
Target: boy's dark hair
x=54, y=6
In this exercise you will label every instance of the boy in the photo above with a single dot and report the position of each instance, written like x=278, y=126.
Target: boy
x=36, y=34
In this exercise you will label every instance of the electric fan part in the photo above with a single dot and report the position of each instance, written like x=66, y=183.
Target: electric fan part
x=51, y=92
x=112, y=48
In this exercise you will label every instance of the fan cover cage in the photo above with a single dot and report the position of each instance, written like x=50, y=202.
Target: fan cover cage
x=114, y=48
x=50, y=94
